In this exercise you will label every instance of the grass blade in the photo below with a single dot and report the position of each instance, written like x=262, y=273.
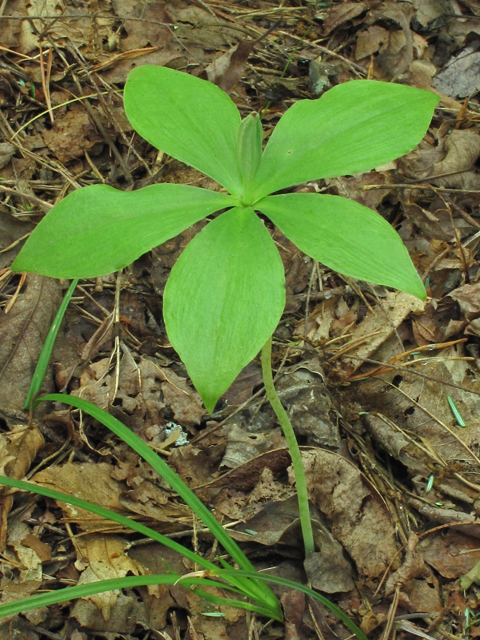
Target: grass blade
x=140, y=528
x=256, y=591
x=44, y=359
x=109, y=515
x=309, y=592
x=92, y=588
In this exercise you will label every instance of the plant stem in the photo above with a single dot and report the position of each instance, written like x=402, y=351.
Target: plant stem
x=293, y=447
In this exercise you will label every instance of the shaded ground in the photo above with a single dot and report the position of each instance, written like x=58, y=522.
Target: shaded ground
x=391, y=553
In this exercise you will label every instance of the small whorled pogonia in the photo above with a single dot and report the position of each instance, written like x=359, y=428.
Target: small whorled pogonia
x=226, y=293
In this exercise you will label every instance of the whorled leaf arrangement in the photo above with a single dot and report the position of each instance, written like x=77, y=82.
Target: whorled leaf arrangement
x=226, y=293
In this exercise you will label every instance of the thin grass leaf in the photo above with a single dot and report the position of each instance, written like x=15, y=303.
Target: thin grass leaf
x=92, y=588
x=140, y=528
x=109, y=515
x=309, y=592
x=456, y=412
x=44, y=359
x=254, y=590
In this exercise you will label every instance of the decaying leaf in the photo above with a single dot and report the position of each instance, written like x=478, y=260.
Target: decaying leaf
x=17, y=452
x=22, y=334
x=358, y=517
x=102, y=557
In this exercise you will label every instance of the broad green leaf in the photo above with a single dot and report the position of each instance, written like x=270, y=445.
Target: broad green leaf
x=354, y=127
x=345, y=236
x=190, y=119
x=99, y=229
x=223, y=300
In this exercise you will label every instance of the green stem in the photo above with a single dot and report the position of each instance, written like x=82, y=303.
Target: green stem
x=293, y=447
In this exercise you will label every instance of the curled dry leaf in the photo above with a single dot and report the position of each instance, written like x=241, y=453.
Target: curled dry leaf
x=341, y=13
x=17, y=451
x=226, y=70
x=462, y=148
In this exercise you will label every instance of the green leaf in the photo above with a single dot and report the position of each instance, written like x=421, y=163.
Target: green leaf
x=190, y=119
x=128, y=582
x=345, y=236
x=354, y=127
x=98, y=229
x=223, y=300
x=250, y=138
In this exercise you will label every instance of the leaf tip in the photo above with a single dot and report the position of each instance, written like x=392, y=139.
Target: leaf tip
x=209, y=401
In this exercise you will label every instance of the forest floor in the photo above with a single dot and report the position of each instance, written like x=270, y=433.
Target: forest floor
x=393, y=471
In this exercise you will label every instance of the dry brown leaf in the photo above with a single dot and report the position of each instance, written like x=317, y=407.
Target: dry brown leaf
x=71, y=135
x=341, y=13
x=358, y=517
x=17, y=451
x=377, y=328
x=226, y=70
x=184, y=401
x=30, y=561
x=101, y=557
x=89, y=481
x=462, y=149
x=22, y=334
x=370, y=41
x=452, y=554
x=124, y=614
x=418, y=586
x=11, y=230
x=328, y=570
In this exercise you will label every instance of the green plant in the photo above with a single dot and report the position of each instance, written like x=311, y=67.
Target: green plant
x=245, y=582
x=226, y=293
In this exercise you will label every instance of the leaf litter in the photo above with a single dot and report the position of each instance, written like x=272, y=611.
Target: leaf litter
x=387, y=547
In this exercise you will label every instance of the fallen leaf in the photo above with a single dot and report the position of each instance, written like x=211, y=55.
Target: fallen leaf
x=358, y=517
x=451, y=554
x=226, y=70
x=460, y=77
x=86, y=480
x=11, y=230
x=376, y=329
x=341, y=13
x=104, y=558
x=328, y=570
x=76, y=128
x=22, y=334
x=462, y=149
